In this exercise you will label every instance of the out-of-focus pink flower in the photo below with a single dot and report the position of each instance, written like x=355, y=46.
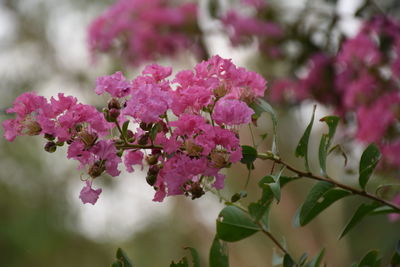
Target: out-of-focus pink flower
x=145, y=30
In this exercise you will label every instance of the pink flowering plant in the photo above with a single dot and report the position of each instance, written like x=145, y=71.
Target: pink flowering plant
x=183, y=130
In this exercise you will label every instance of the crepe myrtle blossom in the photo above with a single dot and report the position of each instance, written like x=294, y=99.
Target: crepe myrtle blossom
x=182, y=156
x=361, y=80
x=141, y=31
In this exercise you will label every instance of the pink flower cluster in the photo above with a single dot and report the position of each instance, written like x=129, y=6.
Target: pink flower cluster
x=183, y=154
x=140, y=31
x=243, y=29
x=362, y=79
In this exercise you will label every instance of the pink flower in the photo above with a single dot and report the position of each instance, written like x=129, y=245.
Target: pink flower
x=105, y=150
x=158, y=72
x=133, y=158
x=231, y=112
x=188, y=124
x=116, y=85
x=88, y=194
x=360, y=49
x=147, y=103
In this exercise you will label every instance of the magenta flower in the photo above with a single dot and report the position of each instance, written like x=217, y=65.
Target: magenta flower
x=88, y=194
x=232, y=112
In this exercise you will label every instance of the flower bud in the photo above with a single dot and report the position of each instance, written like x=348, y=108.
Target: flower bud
x=151, y=179
x=114, y=104
x=143, y=139
x=220, y=91
x=78, y=127
x=96, y=169
x=152, y=159
x=146, y=126
x=154, y=169
x=49, y=137
x=113, y=114
x=50, y=147
x=196, y=190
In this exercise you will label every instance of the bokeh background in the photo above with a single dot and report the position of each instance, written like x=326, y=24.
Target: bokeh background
x=43, y=48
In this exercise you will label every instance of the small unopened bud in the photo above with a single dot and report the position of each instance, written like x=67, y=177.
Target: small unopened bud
x=89, y=139
x=151, y=179
x=50, y=147
x=114, y=113
x=192, y=149
x=196, y=190
x=78, y=127
x=154, y=169
x=96, y=169
x=49, y=137
x=114, y=103
x=143, y=139
x=130, y=136
x=146, y=126
x=152, y=159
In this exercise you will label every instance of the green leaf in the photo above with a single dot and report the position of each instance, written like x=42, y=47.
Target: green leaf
x=303, y=259
x=260, y=106
x=260, y=212
x=122, y=259
x=288, y=261
x=362, y=211
x=395, y=261
x=371, y=259
x=302, y=147
x=125, y=127
x=316, y=261
x=195, y=256
x=219, y=253
x=238, y=196
x=369, y=160
x=154, y=130
x=320, y=197
x=326, y=140
x=182, y=263
x=249, y=154
x=233, y=224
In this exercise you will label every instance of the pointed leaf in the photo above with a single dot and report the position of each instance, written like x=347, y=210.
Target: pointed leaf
x=316, y=261
x=302, y=147
x=219, y=254
x=182, y=263
x=249, y=155
x=233, y=224
x=195, y=256
x=371, y=259
x=125, y=127
x=395, y=261
x=321, y=196
x=288, y=261
x=368, y=162
x=260, y=106
x=122, y=259
x=362, y=211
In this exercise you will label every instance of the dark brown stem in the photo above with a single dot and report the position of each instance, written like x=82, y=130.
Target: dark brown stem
x=271, y=156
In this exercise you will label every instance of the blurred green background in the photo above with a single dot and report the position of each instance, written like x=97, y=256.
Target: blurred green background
x=42, y=221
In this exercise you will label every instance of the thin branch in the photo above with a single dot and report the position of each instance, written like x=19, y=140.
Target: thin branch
x=271, y=156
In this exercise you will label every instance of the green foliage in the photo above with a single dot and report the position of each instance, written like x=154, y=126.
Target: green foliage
x=371, y=259
x=125, y=127
x=122, y=259
x=316, y=261
x=195, y=256
x=362, y=211
x=261, y=106
x=219, y=256
x=302, y=147
x=326, y=140
x=368, y=162
x=249, y=155
x=233, y=224
x=320, y=197
x=395, y=261
x=288, y=261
